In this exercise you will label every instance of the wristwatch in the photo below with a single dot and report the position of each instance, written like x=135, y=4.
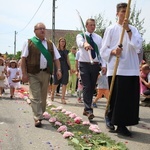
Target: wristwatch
x=58, y=69
x=129, y=30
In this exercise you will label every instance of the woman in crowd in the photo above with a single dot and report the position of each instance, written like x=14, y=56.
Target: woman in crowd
x=65, y=66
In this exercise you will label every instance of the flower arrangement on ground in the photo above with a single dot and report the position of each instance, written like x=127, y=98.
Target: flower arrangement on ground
x=81, y=134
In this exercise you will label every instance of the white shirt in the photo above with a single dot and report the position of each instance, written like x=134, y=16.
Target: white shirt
x=102, y=82
x=148, y=77
x=43, y=61
x=128, y=61
x=1, y=69
x=84, y=56
x=77, y=55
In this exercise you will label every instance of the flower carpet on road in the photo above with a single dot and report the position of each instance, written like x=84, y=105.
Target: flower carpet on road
x=82, y=135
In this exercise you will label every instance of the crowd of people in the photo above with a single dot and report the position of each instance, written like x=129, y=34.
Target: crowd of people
x=82, y=70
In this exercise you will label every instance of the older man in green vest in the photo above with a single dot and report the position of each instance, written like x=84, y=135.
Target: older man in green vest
x=38, y=55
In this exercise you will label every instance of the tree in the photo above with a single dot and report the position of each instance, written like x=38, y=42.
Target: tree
x=101, y=24
x=147, y=47
x=12, y=56
x=71, y=39
x=135, y=21
x=18, y=55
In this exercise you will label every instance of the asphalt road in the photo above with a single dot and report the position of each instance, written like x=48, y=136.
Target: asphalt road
x=17, y=131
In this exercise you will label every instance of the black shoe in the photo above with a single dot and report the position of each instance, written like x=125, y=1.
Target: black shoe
x=123, y=130
x=109, y=125
x=90, y=115
x=38, y=123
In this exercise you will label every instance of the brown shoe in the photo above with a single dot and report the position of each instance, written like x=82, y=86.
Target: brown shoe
x=38, y=123
x=89, y=115
x=85, y=113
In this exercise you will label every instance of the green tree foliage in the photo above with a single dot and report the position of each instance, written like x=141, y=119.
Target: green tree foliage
x=147, y=52
x=71, y=39
x=12, y=56
x=18, y=55
x=135, y=19
x=101, y=24
x=146, y=47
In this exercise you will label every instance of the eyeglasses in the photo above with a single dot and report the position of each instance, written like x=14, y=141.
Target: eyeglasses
x=40, y=29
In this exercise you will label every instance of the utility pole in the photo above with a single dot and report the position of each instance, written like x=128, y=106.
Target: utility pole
x=15, y=44
x=53, y=22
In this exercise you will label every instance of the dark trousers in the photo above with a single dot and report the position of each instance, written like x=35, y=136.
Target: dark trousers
x=89, y=74
x=58, y=88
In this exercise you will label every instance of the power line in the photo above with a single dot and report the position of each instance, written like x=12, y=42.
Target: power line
x=33, y=16
x=28, y=22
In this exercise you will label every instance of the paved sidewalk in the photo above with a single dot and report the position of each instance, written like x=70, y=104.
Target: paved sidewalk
x=17, y=131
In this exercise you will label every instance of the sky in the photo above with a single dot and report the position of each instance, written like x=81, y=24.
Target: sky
x=21, y=16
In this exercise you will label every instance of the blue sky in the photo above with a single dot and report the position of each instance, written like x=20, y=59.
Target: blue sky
x=15, y=16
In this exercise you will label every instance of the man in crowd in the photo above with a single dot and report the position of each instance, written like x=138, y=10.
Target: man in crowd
x=38, y=55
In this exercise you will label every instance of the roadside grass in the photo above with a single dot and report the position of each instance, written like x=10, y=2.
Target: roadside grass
x=84, y=139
